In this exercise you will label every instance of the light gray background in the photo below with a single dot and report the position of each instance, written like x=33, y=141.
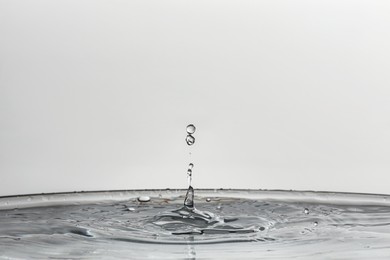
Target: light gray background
x=285, y=94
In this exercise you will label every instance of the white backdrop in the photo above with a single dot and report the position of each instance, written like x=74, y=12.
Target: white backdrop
x=285, y=94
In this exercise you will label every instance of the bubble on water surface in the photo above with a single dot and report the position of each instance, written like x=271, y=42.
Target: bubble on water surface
x=143, y=198
x=306, y=211
x=208, y=199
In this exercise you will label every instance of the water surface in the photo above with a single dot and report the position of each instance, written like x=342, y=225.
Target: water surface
x=224, y=224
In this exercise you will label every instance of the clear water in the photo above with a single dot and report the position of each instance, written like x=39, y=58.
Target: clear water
x=217, y=224
x=223, y=224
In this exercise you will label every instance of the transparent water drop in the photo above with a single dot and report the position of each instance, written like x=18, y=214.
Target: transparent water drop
x=190, y=140
x=191, y=129
x=306, y=211
x=208, y=199
x=190, y=166
x=143, y=198
x=315, y=223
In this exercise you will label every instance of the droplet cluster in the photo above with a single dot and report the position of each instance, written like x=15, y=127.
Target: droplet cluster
x=190, y=139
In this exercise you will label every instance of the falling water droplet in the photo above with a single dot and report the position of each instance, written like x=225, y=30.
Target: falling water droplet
x=306, y=211
x=143, y=198
x=191, y=129
x=208, y=199
x=190, y=140
x=190, y=166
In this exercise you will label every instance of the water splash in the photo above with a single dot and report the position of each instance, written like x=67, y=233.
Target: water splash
x=116, y=225
x=189, y=199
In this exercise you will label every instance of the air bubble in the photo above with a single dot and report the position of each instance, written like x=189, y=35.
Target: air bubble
x=191, y=129
x=143, y=198
x=190, y=140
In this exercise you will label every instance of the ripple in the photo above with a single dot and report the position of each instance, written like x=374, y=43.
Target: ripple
x=291, y=224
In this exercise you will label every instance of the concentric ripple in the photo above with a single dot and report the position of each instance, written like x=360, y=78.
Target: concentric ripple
x=224, y=225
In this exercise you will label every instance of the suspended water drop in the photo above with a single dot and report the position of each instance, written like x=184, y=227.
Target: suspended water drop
x=208, y=199
x=191, y=129
x=306, y=211
x=143, y=198
x=190, y=140
x=189, y=172
x=190, y=166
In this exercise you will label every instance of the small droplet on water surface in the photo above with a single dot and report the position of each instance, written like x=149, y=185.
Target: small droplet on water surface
x=191, y=129
x=306, y=211
x=315, y=223
x=143, y=198
x=208, y=199
x=190, y=140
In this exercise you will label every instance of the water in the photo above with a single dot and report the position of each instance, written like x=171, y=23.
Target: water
x=190, y=139
x=217, y=224
x=190, y=129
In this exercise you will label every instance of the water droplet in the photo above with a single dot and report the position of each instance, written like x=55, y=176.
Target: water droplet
x=189, y=172
x=191, y=129
x=190, y=140
x=315, y=223
x=208, y=199
x=190, y=166
x=131, y=209
x=306, y=211
x=143, y=198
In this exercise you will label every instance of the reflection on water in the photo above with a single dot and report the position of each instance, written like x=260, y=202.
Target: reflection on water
x=233, y=224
